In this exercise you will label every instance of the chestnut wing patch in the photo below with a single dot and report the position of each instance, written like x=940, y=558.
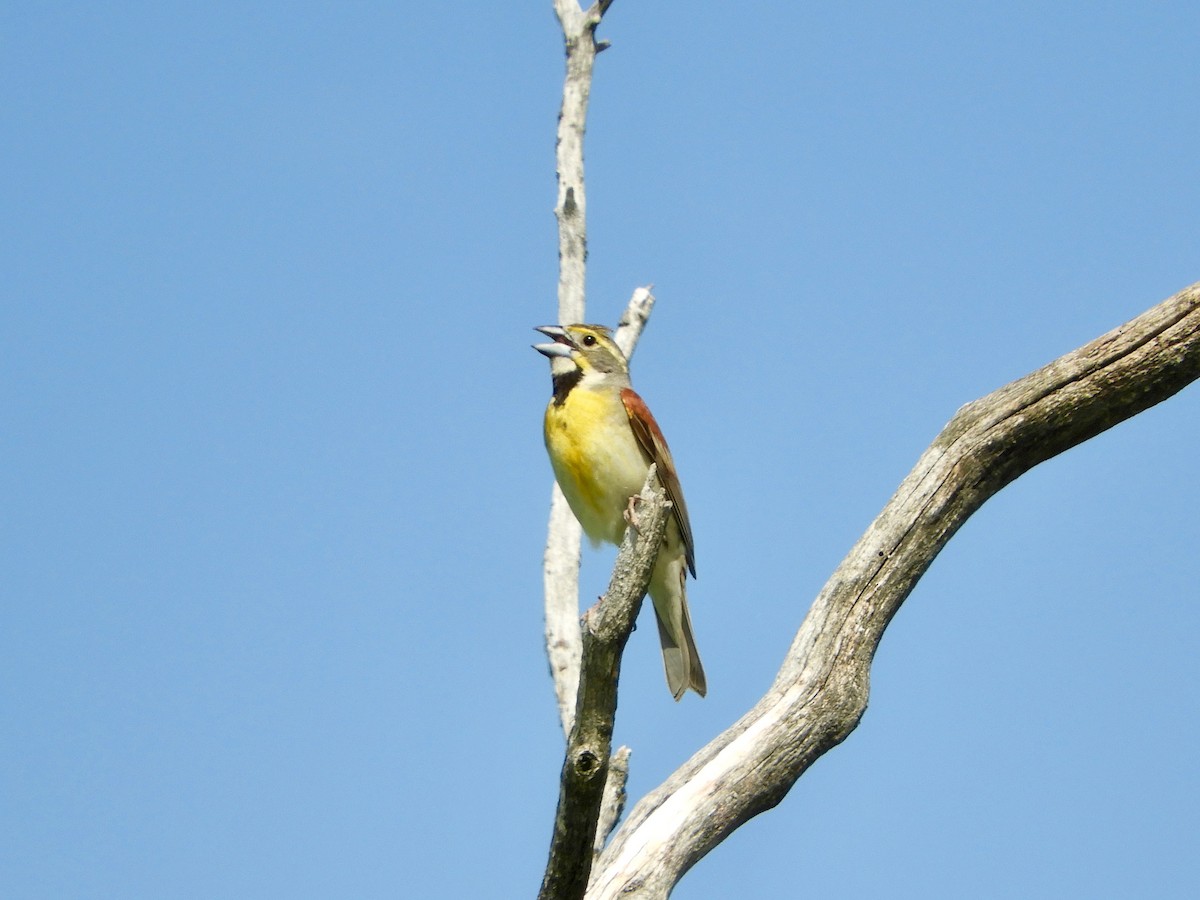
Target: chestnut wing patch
x=654, y=445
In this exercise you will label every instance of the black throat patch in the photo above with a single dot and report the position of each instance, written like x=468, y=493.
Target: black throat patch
x=563, y=384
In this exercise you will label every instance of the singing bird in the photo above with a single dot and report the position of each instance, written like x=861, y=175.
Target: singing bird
x=602, y=439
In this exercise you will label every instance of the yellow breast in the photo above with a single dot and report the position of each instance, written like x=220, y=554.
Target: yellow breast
x=596, y=459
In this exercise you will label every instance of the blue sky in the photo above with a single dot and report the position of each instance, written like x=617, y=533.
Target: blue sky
x=274, y=489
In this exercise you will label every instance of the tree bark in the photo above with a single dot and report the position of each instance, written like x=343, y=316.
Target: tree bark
x=564, y=647
x=820, y=693
x=560, y=563
x=607, y=627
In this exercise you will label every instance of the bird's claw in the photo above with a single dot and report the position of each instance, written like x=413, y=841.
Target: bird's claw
x=630, y=513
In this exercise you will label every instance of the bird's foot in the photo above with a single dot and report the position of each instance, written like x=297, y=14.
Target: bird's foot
x=630, y=513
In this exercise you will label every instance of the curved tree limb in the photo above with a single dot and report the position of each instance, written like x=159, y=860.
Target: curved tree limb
x=820, y=693
x=607, y=627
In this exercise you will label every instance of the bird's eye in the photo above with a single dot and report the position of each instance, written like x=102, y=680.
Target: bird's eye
x=589, y=340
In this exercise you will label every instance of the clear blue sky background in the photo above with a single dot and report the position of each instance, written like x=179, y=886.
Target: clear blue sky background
x=274, y=491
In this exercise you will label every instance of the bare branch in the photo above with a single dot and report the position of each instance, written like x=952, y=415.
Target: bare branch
x=607, y=627
x=560, y=572
x=613, y=803
x=560, y=584
x=821, y=691
x=579, y=36
x=634, y=319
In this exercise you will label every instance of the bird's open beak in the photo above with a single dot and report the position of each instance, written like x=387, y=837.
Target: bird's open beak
x=562, y=345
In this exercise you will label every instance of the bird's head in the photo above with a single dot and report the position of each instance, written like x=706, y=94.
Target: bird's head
x=588, y=349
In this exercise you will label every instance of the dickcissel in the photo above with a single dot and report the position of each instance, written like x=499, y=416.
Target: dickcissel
x=602, y=439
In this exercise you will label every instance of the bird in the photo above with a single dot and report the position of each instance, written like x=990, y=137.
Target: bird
x=601, y=439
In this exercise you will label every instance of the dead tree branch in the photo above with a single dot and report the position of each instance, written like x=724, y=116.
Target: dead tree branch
x=560, y=567
x=607, y=627
x=821, y=691
x=564, y=647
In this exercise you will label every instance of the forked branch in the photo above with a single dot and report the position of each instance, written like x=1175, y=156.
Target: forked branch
x=607, y=627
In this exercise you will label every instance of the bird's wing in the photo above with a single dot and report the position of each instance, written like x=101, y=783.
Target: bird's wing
x=654, y=445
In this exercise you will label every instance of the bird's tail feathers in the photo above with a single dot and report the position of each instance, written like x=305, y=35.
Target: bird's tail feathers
x=680, y=657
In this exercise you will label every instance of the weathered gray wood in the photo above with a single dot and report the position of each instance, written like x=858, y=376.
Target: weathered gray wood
x=821, y=691
x=606, y=628
x=579, y=37
x=562, y=555
x=560, y=563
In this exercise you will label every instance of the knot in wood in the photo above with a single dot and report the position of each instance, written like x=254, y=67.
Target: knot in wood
x=587, y=763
